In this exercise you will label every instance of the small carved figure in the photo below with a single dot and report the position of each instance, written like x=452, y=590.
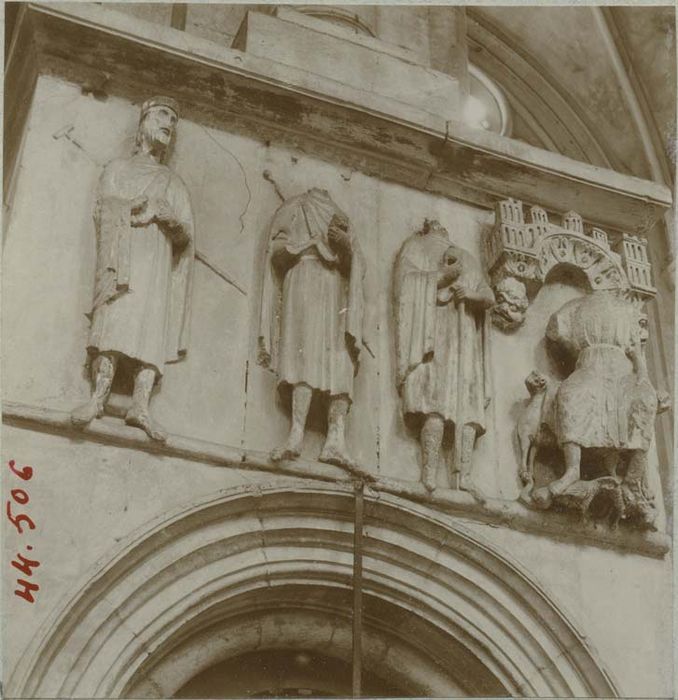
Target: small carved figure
x=440, y=298
x=608, y=403
x=312, y=315
x=512, y=302
x=535, y=427
x=144, y=228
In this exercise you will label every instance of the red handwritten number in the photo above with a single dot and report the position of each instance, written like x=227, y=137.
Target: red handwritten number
x=25, y=565
x=25, y=473
x=16, y=520
x=20, y=496
x=27, y=588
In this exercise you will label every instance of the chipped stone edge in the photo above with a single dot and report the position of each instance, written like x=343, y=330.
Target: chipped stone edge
x=494, y=512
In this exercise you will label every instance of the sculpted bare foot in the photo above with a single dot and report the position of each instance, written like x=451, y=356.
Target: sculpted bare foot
x=290, y=450
x=280, y=454
x=83, y=415
x=335, y=454
x=141, y=419
x=467, y=484
x=542, y=497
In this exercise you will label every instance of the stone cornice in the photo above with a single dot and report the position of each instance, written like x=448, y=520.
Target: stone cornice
x=511, y=514
x=235, y=91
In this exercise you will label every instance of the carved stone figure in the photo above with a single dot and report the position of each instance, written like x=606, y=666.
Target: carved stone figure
x=312, y=315
x=512, y=302
x=440, y=298
x=144, y=229
x=606, y=405
x=535, y=427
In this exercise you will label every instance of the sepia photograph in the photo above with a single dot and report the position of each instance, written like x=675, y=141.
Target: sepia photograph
x=338, y=350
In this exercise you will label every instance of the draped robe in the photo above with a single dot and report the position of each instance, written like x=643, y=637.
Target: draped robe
x=142, y=283
x=434, y=336
x=604, y=403
x=313, y=300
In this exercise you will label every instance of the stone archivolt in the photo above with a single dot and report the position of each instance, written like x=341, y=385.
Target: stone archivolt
x=121, y=635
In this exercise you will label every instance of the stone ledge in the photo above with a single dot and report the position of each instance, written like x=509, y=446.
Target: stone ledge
x=494, y=512
x=236, y=91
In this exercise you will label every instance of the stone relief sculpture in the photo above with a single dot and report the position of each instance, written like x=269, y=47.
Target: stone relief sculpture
x=141, y=308
x=511, y=304
x=311, y=326
x=519, y=255
x=440, y=298
x=606, y=407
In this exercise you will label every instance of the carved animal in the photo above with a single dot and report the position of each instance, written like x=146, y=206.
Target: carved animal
x=580, y=496
x=535, y=426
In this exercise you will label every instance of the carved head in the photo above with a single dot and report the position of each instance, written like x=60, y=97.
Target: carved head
x=509, y=310
x=157, y=126
x=536, y=383
x=644, y=326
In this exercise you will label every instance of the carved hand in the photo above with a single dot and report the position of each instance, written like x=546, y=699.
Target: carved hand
x=338, y=238
x=461, y=292
x=448, y=274
x=146, y=211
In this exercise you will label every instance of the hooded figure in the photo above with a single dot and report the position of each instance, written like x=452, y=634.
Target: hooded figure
x=440, y=298
x=141, y=307
x=312, y=314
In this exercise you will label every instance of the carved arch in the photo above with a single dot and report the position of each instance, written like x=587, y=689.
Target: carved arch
x=520, y=254
x=468, y=602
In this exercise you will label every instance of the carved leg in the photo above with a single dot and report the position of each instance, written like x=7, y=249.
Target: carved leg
x=103, y=371
x=431, y=441
x=334, y=451
x=466, y=483
x=301, y=401
x=138, y=415
x=572, y=454
x=611, y=462
x=527, y=473
x=543, y=496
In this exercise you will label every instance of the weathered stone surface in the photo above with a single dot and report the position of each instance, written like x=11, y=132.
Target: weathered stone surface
x=143, y=283
x=439, y=300
x=147, y=546
x=335, y=53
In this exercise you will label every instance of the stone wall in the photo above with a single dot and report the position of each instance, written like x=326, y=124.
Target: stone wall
x=109, y=486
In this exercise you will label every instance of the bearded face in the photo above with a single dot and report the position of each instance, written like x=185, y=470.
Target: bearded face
x=156, y=130
x=509, y=311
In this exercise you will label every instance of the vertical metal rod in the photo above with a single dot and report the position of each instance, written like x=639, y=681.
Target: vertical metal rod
x=178, y=15
x=358, y=589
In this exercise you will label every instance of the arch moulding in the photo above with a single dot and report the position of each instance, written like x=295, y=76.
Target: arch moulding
x=438, y=598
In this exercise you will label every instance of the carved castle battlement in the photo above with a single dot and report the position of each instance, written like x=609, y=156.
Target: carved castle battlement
x=529, y=249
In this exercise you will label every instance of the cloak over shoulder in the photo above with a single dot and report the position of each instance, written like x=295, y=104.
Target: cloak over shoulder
x=297, y=220
x=121, y=182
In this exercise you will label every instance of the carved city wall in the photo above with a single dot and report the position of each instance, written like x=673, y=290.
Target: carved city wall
x=222, y=408
x=221, y=393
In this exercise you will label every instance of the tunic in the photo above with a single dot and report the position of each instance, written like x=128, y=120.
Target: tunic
x=312, y=308
x=603, y=403
x=142, y=283
x=433, y=337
